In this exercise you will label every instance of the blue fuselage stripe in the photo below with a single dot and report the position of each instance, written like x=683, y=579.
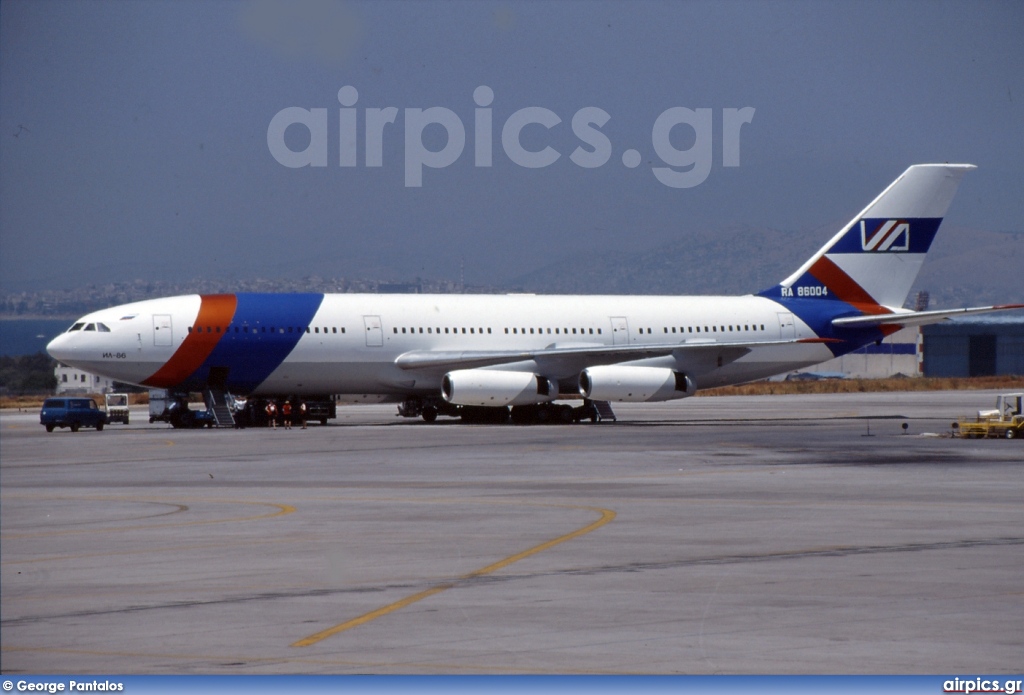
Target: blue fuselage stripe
x=264, y=331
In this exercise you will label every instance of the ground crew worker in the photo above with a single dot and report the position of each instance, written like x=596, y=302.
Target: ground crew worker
x=272, y=414
x=286, y=414
x=303, y=412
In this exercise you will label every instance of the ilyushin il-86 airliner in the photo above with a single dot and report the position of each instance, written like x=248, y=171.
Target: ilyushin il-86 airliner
x=486, y=358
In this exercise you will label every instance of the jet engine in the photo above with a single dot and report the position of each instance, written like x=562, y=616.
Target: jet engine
x=634, y=384
x=490, y=387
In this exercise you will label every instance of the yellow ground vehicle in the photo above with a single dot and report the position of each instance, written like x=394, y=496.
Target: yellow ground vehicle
x=1007, y=420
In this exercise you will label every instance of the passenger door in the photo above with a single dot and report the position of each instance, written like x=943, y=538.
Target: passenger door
x=787, y=328
x=374, y=332
x=162, y=336
x=620, y=330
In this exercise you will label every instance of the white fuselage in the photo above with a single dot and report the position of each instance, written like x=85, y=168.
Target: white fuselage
x=349, y=344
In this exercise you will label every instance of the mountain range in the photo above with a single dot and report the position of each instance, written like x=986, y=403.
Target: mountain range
x=965, y=267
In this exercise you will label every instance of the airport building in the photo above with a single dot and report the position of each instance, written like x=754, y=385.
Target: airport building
x=898, y=354
x=983, y=346
x=71, y=381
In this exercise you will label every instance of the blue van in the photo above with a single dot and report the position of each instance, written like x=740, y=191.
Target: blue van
x=71, y=412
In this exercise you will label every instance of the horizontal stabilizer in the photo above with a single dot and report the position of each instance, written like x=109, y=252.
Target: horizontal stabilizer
x=917, y=318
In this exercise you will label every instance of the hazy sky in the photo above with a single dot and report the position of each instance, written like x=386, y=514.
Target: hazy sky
x=134, y=135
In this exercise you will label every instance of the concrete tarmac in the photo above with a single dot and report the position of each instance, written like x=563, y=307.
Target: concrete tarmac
x=713, y=535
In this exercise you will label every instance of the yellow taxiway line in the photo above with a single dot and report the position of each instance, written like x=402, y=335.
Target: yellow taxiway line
x=606, y=516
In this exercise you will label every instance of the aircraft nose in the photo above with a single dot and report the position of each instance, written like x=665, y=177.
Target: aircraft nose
x=58, y=348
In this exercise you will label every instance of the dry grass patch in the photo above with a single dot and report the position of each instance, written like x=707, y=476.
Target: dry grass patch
x=765, y=388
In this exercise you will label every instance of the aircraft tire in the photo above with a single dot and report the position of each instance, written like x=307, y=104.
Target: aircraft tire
x=49, y=428
x=429, y=414
x=74, y=427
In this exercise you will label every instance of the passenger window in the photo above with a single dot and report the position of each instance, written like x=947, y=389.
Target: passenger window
x=190, y=329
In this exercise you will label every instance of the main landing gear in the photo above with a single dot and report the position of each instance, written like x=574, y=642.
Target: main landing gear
x=536, y=414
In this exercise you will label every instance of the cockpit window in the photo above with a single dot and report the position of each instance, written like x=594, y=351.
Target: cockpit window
x=102, y=328
x=76, y=327
x=90, y=327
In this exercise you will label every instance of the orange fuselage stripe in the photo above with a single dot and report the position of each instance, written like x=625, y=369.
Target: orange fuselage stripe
x=215, y=312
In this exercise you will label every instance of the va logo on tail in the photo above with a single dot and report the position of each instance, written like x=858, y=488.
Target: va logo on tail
x=890, y=235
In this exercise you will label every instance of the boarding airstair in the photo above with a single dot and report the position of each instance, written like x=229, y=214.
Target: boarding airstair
x=217, y=404
x=604, y=411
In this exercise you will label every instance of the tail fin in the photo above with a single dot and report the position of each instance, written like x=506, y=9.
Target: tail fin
x=874, y=260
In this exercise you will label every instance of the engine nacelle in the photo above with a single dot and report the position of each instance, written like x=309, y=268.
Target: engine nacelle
x=490, y=387
x=634, y=384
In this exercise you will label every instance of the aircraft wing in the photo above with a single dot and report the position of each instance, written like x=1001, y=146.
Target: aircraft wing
x=918, y=318
x=588, y=355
